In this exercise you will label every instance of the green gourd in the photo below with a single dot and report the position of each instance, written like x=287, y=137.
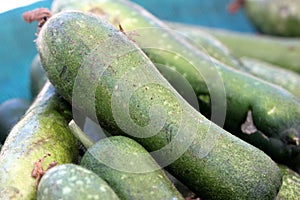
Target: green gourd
x=43, y=130
x=107, y=77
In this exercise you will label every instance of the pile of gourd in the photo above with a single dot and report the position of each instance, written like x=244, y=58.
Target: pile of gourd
x=185, y=111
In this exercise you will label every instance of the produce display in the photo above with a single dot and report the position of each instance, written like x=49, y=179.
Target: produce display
x=186, y=112
x=213, y=82
x=255, y=66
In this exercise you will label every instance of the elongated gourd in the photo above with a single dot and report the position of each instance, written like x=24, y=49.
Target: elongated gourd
x=274, y=74
x=126, y=166
x=290, y=188
x=229, y=94
x=281, y=51
x=107, y=77
x=43, y=130
x=133, y=173
x=69, y=181
x=285, y=78
x=206, y=42
x=274, y=17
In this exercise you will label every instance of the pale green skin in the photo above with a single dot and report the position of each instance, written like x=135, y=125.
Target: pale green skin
x=257, y=67
x=72, y=182
x=42, y=130
x=276, y=112
x=290, y=189
x=274, y=74
x=275, y=17
x=126, y=166
x=212, y=165
x=150, y=185
x=207, y=43
x=281, y=51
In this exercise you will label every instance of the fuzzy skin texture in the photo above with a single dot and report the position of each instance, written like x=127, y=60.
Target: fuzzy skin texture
x=276, y=112
x=69, y=181
x=42, y=130
x=275, y=17
x=124, y=92
x=123, y=154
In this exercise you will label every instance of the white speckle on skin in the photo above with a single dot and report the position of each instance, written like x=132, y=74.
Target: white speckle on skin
x=154, y=187
x=66, y=190
x=46, y=191
x=116, y=87
x=80, y=24
x=170, y=113
x=83, y=170
x=256, y=83
x=272, y=111
x=102, y=188
x=173, y=68
x=79, y=183
x=73, y=178
x=123, y=177
x=88, y=181
x=62, y=172
x=59, y=181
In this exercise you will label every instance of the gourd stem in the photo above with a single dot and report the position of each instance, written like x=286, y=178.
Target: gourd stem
x=80, y=135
